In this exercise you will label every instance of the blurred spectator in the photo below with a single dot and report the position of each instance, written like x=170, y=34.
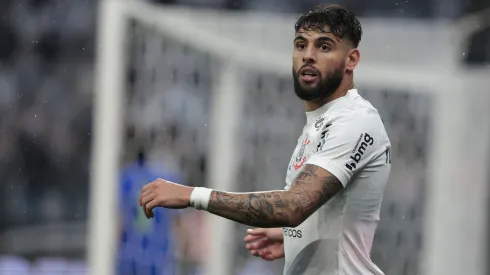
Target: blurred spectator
x=146, y=245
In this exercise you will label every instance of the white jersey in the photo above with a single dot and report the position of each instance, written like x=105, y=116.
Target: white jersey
x=347, y=138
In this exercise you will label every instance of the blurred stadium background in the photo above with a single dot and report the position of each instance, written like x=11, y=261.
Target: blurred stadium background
x=201, y=90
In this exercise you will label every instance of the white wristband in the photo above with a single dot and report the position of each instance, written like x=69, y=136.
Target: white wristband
x=200, y=197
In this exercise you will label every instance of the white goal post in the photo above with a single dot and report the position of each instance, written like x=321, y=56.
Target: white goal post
x=421, y=55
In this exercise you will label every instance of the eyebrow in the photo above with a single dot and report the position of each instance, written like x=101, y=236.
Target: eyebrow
x=320, y=39
x=299, y=37
x=325, y=39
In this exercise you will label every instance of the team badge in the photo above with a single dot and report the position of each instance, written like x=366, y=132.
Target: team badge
x=300, y=158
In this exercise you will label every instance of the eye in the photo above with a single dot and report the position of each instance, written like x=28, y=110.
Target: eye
x=300, y=46
x=324, y=47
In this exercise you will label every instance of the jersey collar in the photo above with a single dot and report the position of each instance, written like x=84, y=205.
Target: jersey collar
x=314, y=115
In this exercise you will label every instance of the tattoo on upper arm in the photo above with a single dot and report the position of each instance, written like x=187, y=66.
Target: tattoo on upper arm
x=312, y=188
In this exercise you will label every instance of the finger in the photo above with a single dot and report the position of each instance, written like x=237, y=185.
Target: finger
x=147, y=198
x=257, y=231
x=144, y=191
x=255, y=253
x=264, y=251
x=264, y=254
x=144, y=210
x=147, y=215
x=252, y=238
x=258, y=245
x=149, y=208
x=269, y=257
x=147, y=187
x=142, y=195
x=143, y=207
x=145, y=201
x=249, y=247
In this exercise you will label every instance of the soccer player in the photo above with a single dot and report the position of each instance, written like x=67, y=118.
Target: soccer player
x=325, y=219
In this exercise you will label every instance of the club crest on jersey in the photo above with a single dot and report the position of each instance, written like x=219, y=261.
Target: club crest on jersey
x=300, y=158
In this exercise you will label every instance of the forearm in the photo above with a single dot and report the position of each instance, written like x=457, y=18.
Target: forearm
x=289, y=208
x=259, y=209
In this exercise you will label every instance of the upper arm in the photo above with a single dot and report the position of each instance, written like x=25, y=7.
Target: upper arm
x=346, y=145
x=313, y=187
x=349, y=144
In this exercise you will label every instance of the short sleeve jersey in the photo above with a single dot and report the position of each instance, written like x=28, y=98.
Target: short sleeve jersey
x=347, y=138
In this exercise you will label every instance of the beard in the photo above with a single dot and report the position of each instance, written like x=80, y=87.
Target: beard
x=325, y=87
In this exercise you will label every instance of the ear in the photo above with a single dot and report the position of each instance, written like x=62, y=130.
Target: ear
x=352, y=59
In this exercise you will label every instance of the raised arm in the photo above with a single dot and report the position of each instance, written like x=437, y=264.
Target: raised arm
x=285, y=208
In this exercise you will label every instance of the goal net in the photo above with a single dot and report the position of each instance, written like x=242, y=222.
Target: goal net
x=210, y=94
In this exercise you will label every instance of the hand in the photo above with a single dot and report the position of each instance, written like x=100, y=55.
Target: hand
x=165, y=194
x=267, y=243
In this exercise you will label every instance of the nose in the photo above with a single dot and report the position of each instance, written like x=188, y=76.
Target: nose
x=310, y=55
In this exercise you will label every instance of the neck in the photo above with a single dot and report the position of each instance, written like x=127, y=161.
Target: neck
x=344, y=87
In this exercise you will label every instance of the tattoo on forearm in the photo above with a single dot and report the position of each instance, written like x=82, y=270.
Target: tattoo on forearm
x=311, y=189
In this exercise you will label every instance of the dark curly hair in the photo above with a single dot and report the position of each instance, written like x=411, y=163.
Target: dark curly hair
x=341, y=22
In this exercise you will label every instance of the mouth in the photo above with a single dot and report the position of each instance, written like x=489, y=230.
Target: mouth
x=308, y=74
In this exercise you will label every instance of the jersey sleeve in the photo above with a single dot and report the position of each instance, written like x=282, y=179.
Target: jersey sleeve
x=347, y=144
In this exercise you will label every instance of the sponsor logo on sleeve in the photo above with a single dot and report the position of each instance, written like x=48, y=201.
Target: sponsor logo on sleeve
x=364, y=142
